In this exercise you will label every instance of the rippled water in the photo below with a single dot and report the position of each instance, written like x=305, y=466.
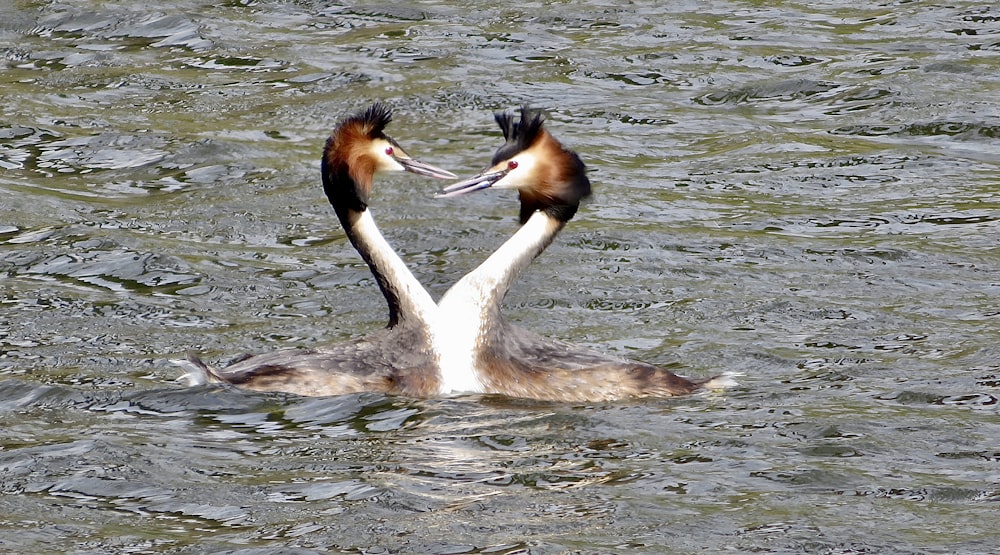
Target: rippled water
x=803, y=192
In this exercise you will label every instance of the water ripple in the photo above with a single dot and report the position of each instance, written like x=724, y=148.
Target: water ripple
x=801, y=193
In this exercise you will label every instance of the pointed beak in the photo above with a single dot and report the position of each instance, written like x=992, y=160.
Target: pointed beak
x=481, y=181
x=427, y=170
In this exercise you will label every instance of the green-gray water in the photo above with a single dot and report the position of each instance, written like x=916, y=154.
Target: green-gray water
x=806, y=193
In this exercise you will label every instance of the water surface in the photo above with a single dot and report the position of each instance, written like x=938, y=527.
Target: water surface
x=804, y=193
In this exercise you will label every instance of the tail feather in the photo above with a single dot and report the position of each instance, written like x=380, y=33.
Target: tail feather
x=198, y=373
x=724, y=380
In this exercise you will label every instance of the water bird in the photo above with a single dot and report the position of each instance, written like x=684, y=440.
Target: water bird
x=399, y=359
x=505, y=359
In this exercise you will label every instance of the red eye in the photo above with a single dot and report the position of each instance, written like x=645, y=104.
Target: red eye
x=512, y=164
x=389, y=151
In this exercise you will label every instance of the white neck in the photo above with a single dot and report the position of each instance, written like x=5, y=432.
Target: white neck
x=414, y=301
x=459, y=323
x=471, y=307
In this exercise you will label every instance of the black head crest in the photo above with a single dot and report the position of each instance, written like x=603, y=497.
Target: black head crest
x=373, y=121
x=519, y=134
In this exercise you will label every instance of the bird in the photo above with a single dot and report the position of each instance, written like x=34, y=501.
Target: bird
x=505, y=359
x=399, y=359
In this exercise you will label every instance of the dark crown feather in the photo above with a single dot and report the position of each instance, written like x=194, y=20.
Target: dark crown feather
x=372, y=121
x=518, y=134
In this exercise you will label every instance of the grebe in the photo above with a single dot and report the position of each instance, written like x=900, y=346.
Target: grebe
x=399, y=359
x=551, y=181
